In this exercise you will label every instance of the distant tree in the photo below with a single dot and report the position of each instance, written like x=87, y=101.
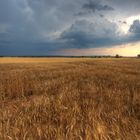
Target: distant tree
x=117, y=56
x=138, y=55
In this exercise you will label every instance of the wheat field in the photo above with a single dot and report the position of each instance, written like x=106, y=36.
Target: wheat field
x=69, y=99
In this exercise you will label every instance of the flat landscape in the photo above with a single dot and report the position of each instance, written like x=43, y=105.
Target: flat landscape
x=69, y=99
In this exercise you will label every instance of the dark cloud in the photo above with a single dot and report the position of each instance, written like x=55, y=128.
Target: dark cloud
x=27, y=48
x=134, y=31
x=135, y=27
x=101, y=15
x=122, y=22
x=96, y=6
x=84, y=34
x=125, y=8
x=40, y=26
x=87, y=34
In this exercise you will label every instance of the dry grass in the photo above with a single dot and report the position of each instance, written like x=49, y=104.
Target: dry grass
x=40, y=60
x=69, y=99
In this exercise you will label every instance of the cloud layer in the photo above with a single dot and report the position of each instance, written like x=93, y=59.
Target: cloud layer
x=39, y=27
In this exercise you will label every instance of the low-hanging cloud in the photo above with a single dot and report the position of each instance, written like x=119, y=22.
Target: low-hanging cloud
x=84, y=34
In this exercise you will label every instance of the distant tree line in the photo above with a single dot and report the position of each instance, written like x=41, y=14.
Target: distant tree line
x=94, y=56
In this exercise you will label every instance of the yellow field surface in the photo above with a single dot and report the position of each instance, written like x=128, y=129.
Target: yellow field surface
x=40, y=60
x=69, y=99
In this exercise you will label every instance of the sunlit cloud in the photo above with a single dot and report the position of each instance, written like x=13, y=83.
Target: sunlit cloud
x=131, y=49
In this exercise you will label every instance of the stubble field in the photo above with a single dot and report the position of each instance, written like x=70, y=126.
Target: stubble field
x=69, y=99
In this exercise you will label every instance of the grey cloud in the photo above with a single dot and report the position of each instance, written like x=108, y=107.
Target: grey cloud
x=96, y=6
x=124, y=8
x=27, y=48
x=3, y=28
x=84, y=34
x=28, y=26
x=15, y=15
x=101, y=15
x=134, y=31
x=52, y=15
x=31, y=19
x=135, y=27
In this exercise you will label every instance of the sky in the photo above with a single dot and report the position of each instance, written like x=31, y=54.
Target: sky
x=69, y=27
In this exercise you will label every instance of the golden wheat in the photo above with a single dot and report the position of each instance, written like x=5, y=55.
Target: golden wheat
x=69, y=99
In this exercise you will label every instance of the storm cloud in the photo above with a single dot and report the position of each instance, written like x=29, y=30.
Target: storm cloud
x=90, y=34
x=135, y=27
x=39, y=27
